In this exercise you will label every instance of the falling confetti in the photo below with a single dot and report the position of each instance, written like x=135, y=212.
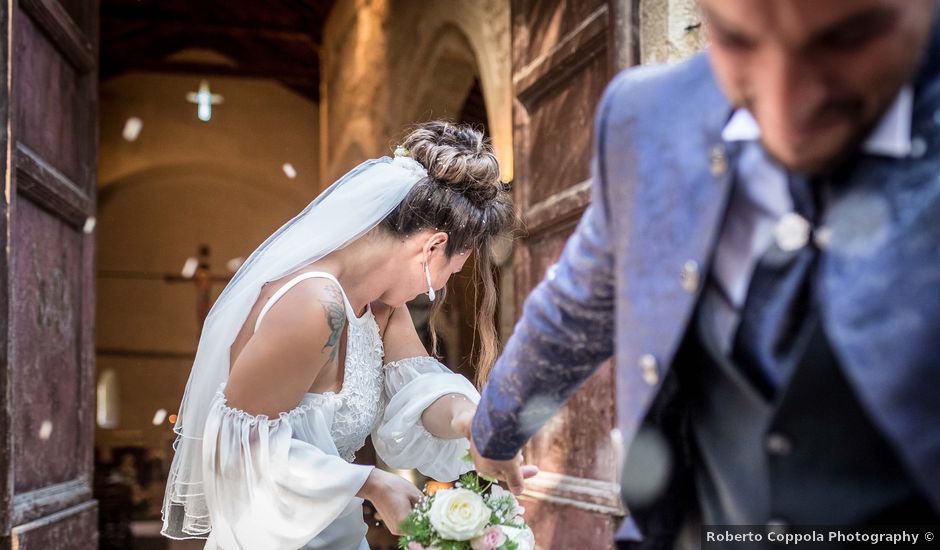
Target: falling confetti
x=132, y=129
x=45, y=430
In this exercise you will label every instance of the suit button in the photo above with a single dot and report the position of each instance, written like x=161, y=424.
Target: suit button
x=718, y=161
x=650, y=368
x=690, y=276
x=778, y=444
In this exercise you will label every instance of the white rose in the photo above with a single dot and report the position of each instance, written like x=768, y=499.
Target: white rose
x=523, y=537
x=458, y=514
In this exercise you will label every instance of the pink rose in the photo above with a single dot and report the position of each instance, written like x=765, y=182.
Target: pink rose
x=415, y=546
x=491, y=539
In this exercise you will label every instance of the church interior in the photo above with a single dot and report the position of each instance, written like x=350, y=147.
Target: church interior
x=219, y=121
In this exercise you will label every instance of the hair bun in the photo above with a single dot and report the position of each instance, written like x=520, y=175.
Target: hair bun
x=457, y=156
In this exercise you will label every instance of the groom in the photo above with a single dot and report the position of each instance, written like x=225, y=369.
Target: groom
x=762, y=258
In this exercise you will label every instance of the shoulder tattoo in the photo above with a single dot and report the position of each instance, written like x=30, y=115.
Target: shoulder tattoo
x=335, y=313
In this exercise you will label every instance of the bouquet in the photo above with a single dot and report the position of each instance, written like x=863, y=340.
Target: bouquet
x=477, y=514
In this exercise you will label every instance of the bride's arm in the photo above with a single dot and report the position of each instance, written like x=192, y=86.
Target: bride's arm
x=295, y=341
x=449, y=416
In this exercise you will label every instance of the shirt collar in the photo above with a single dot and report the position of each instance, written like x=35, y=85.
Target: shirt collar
x=891, y=137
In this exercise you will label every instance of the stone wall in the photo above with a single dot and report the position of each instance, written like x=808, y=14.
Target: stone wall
x=670, y=30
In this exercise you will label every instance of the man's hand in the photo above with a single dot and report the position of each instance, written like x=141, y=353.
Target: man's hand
x=512, y=471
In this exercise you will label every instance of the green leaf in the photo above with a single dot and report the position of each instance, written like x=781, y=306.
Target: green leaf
x=416, y=528
x=471, y=481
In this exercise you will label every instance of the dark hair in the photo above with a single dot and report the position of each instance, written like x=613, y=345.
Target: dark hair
x=463, y=197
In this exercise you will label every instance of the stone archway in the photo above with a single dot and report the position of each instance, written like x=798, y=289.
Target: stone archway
x=448, y=69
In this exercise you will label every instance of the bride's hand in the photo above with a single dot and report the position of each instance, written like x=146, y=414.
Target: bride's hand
x=461, y=422
x=512, y=471
x=392, y=496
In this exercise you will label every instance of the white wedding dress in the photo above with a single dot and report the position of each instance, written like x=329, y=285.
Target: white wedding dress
x=289, y=482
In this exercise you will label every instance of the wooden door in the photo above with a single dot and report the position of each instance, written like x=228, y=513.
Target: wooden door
x=49, y=138
x=564, y=53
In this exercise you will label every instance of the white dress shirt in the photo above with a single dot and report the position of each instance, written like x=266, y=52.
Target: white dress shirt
x=761, y=197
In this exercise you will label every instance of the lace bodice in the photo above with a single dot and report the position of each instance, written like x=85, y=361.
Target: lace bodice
x=359, y=403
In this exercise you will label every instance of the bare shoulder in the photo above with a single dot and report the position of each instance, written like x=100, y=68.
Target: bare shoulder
x=297, y=338
x=311, y=305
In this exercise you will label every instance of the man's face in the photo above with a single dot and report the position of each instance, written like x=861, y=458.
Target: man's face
x=816, y=74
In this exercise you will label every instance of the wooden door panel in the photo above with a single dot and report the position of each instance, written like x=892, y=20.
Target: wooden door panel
x=568, y=430
x=74, y=528
x=564, y=53
x=538, y=28
x=48, y=274
x=557, y=94
x=47, y=297
x=560, y=127
x=563, y=525
x=57, y=123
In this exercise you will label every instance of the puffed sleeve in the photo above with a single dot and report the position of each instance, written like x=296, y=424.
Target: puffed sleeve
x=401, y=440
x=275, y=484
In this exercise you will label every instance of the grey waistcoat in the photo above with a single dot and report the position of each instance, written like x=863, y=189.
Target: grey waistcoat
x=808, y=455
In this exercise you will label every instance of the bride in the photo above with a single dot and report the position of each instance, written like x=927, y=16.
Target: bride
x=310, y=349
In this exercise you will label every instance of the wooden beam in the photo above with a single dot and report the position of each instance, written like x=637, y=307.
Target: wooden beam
x=33, y=505
x=49, y=188
x=274, y=34
x=161, y=12
x=556, y=66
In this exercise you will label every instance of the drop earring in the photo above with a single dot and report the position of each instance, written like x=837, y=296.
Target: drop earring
x=427, y=276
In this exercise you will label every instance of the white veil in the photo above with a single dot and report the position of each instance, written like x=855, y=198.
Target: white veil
x=349, y=208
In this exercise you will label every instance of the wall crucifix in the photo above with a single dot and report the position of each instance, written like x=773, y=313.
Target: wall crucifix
x=198, y=271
